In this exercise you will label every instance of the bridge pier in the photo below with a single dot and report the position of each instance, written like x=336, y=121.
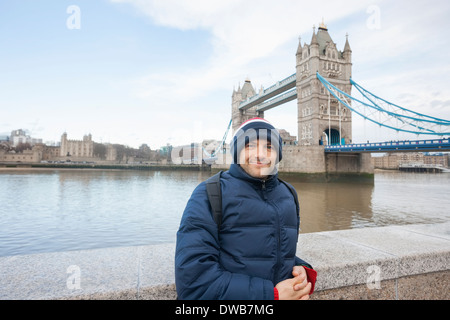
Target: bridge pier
x=358, y=163
x=325, y=166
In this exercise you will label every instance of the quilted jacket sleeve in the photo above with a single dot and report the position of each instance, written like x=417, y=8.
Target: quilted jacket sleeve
x=198, y=274
x=300, y=262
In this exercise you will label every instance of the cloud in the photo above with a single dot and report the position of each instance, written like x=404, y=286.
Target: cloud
x=241, y=32
x=253, y=38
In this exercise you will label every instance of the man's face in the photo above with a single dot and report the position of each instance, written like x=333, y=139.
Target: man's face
x=258, y=158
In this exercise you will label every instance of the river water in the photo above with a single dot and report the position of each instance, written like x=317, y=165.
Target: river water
x=60, y=210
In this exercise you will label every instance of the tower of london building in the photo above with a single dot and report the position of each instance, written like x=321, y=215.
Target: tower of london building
x=77, y=148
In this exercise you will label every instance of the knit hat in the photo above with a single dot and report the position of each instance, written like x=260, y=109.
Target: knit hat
x=252, y=129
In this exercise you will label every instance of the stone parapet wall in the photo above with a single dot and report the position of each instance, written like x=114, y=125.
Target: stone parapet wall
x=395, y=262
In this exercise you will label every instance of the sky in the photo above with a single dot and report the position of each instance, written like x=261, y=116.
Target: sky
x=163, y=71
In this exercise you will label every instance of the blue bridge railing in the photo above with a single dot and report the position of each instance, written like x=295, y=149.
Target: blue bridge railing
x=405, y=145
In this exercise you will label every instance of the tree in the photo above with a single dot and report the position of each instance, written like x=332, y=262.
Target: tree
x=22, y=146
x=100, y=150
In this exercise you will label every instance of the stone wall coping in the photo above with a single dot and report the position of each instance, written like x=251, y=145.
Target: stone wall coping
x=342, y=258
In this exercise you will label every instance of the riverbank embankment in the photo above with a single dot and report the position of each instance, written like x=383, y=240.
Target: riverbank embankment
x=62, y=166
x=394, y=262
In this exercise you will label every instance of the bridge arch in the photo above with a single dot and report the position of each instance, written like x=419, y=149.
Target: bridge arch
x=330, y=136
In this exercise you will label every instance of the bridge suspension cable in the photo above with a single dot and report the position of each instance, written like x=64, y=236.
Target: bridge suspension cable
x=386, y=114
x=220, y=146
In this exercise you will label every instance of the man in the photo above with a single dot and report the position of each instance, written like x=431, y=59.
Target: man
x=252, y=256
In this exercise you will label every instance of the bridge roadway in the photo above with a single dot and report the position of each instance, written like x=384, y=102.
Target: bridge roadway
x=278, y=88
x=392, y=146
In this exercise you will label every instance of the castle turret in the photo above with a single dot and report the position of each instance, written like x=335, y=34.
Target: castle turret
x=63, y=145
x=299, y=48
x=347, y=50
x=347, y=55
x=242, y=94
x=314, y=46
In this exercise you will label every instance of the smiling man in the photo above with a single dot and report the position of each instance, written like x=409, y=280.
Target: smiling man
x=251, y=254
x=257, y=149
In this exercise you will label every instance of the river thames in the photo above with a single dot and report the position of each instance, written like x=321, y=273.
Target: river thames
x=61, y=210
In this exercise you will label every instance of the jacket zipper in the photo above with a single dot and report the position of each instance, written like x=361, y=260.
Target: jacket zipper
x=278, y=236
x=263, y=189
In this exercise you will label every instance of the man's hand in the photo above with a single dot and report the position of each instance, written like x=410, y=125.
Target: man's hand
x=296, y=288
x=304, y=287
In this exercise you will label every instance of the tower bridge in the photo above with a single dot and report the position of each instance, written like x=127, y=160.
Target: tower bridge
x=322, y=86
x=272, y=91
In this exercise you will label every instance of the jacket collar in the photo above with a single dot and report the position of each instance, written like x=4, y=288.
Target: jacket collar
x=239, y=173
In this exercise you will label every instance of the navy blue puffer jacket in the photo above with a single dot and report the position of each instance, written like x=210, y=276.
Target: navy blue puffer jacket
x=255, y=248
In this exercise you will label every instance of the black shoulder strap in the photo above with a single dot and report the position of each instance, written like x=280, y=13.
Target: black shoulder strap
x=214, y=192
x=215, y=196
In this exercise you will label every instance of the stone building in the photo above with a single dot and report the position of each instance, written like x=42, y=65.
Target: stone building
x=25, y=156
x=50, y=152
x=77, y=148
x=321, y=118
x=239, y=95
x=438, y=159
x=288, y=140
x=20, y=136
x=395, y=160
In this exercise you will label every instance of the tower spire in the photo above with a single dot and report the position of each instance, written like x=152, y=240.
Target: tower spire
x=299, y=48
x=314, y=37
x=322, y=26
x=347, y=45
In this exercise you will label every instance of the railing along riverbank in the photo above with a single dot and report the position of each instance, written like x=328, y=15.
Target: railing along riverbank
x=394, y=262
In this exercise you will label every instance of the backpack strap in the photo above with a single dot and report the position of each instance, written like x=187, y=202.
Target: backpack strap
x=214, y=192
x=215, y=197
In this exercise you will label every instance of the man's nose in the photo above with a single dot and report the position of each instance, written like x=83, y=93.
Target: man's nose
x=261, y=152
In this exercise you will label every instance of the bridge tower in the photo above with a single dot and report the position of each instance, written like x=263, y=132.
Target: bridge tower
x=321, y=118
x=242, y=94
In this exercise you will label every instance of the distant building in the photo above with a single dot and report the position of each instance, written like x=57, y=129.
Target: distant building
x=288, y=140
x=26, y=156
x=111, y=153
x=50, y=152
x=77, y=148
x=20, y=136
x=394, y=160
x=187, y=154
x=437, y=159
